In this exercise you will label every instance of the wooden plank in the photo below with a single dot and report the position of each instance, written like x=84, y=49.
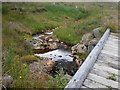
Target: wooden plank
x=114, y=52
x=108, y=48
x=112, y=36
x=106, y=68
x=103, y=73
x=103, y=80
x=115, y=34
x=111, y=43
x=111, y=46
x=110, y=53
x=81, y=74
x=104, y=56
x=113, y=39
x=83, y=88
x=92, y=84
x=111, y=63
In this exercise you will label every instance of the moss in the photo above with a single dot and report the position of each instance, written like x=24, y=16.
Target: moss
x=83, y=56
x=112, y=77
x=27, y=36
x=29, y=58
x=109, y=86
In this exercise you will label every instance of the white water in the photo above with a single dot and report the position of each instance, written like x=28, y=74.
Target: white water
x=57, y=55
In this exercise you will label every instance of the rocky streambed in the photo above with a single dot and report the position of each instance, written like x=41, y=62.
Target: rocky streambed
x=61, y=56
x=56, y=55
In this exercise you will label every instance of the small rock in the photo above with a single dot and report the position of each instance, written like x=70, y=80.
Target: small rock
x=59, y=56
x=41, y=36
x=7, y=80
x=65, y=47
x=50, y=40
x=62, y=42
x=37, y=48
x=71, y=55
x=52, y=46
x=66, y=17
x=57, y=40
x=41, y=9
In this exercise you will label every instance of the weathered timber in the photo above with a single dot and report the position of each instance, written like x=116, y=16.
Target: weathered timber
x=83, y=71
x=102, y=80
x=92, y=84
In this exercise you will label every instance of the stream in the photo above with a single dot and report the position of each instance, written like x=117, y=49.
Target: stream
x=59, y=54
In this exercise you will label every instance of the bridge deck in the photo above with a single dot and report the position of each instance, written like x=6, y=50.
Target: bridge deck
x=104, y=73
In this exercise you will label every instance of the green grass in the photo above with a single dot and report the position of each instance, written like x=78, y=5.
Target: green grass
x=72, y=33
x=42, y=21
x=15, y=68
x=58, y=81
x=69, y=35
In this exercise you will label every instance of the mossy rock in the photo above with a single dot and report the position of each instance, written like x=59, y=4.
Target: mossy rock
x=29, y=58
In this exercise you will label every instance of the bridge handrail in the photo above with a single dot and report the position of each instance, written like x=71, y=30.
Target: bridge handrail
x=83, y=71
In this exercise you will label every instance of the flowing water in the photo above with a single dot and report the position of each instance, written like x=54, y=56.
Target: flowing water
x=59, y=54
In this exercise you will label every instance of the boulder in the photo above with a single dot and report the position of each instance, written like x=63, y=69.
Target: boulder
x=96, y=32
x=7, y=80
x=81, y=48
x=74, y=47
x=86, y=38
x=51, y=63
x=68, y=67
x=93, y=41
x=91, y=44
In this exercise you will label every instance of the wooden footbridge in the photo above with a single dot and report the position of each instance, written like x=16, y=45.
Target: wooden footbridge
x=100, y=69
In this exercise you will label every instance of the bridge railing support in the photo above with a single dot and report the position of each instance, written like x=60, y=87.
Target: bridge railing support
x=83, y=71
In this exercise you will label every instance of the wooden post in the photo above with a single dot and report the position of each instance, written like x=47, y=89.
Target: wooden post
x=83, y=71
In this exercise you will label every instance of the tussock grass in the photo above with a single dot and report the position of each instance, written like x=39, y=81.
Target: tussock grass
x=29, y=58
